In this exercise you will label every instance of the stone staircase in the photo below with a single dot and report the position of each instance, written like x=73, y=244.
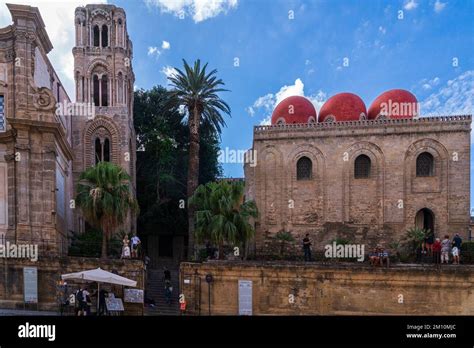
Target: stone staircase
x=155, y=288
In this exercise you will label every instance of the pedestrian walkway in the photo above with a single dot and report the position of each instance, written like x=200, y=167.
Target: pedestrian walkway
x=155, y=288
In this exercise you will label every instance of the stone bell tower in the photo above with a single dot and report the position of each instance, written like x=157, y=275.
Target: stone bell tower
x=104, y=78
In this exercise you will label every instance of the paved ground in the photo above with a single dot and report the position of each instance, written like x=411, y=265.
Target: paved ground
x=19, y=312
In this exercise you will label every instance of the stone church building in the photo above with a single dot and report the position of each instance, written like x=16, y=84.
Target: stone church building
x=365, y=176
x=46, y=141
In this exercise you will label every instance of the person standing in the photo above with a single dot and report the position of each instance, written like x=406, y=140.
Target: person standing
x=457, y=242
x=102, y=307
x=445, y=248
x=307, y=248
x=125, y=248
x=436, y=251
x=135, y=243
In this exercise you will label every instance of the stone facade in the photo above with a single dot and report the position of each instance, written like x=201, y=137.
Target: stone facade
x=319, y=289
x=376, y=209
x=104, y=77
x=35, y=142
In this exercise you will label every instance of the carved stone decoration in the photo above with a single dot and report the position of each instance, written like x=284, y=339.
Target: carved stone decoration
x=44, y=99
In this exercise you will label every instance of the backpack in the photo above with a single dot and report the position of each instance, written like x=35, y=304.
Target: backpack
x=80, y=296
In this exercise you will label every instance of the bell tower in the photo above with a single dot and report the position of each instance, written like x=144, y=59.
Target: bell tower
x=104, y=81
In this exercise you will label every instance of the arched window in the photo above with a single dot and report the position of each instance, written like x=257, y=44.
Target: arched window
x=96, y=90
x=304, y=169
x=120, y=88
x=107, y=150
x=362, y=167
x=96, y=36
x=98, y=150
x=105, y=36
x=425, y=164
x=102, y=150
x=104, y=86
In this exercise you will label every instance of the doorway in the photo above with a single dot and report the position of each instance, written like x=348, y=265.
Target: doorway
x=425, y=220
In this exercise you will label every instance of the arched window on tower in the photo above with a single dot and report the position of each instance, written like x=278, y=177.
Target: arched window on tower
x=304, y=169
x=105, y=36
x=102, y=150
x=96, y=90
x=120, y=88
x=425, y=164
x=98, y=151
x=106, y=150
x=104, y=88
x=96, y=36
x=362, y=167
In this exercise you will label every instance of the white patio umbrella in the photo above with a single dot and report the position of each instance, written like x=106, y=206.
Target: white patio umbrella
x=100, y=276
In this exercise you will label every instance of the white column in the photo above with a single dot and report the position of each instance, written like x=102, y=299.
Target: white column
x=100, y=36
x=90, y=36
x=109, y=36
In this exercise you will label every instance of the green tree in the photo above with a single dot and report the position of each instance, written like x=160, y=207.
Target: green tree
x=197, y=90
x=105, y=198
x=163, y=143
x=222, y=215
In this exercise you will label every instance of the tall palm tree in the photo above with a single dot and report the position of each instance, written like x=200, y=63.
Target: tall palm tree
x=197, y=90
x=105, y=198
x=222, y=216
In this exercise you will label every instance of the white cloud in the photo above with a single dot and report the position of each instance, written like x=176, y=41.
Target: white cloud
x=165, y=45
x=410, y=5
x=199, y=10
x=153, y=51
x=268, y=102
x=454, y=98
x=382, y=30
x=439, y=6
x=58, y=17
x=428, y=84
x=168, y=71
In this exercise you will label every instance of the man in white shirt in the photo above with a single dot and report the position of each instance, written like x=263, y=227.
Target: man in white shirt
x=135, y=243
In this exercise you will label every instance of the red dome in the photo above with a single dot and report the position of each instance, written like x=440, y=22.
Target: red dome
x=396, y=103
x=343, y=107
x=294, y=109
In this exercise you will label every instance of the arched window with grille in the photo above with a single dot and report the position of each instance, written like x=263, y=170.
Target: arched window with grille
x=96, y=36
x=105, y=36
x=362, y=166
x=425, y=164
x=304, y=169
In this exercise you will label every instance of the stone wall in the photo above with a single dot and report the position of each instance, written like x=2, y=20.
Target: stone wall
x=49, y=273
x=378, y=209
x=320, y=289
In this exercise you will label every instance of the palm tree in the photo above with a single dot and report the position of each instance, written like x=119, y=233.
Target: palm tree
x=197, y=90
x=105, y=198
x=222, y=216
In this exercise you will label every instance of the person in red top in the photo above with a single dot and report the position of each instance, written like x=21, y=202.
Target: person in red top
x=436, y=251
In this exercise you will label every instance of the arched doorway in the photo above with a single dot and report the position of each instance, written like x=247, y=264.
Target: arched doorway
x=425, y=220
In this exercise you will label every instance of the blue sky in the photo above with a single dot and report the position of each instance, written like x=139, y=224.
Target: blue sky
x=295, y=47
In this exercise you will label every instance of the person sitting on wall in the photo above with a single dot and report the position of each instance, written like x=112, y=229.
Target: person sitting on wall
x=384, y=256
x=374, y=258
